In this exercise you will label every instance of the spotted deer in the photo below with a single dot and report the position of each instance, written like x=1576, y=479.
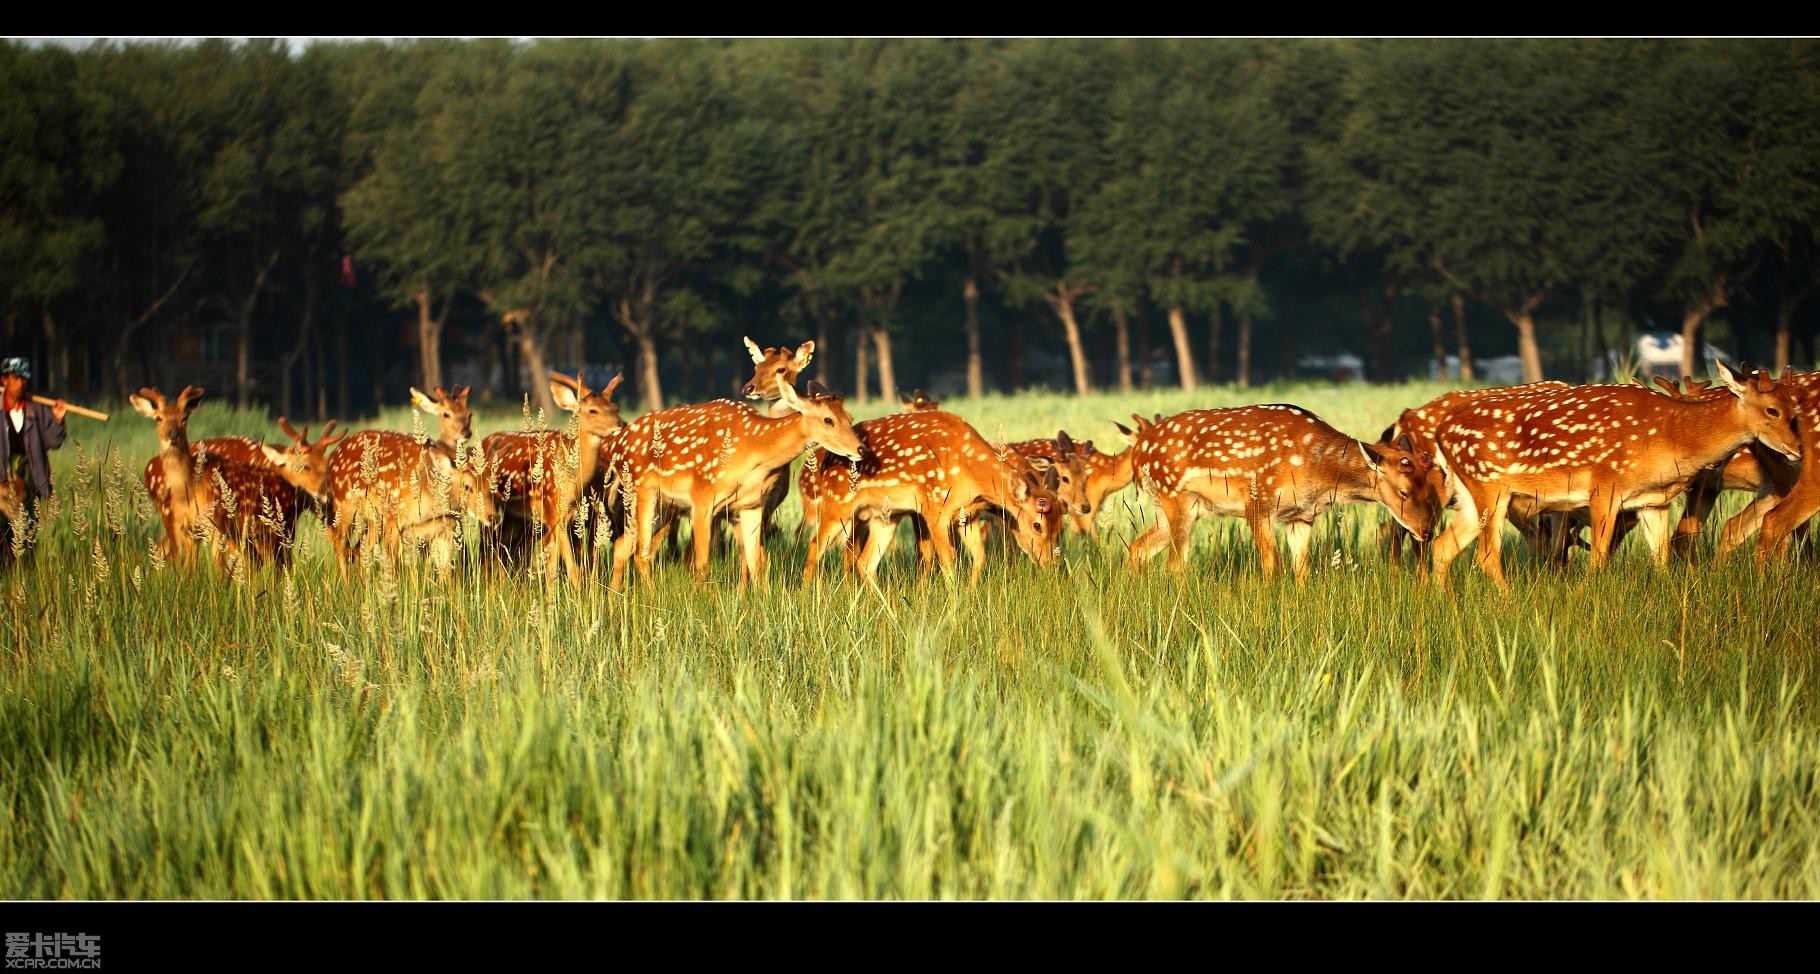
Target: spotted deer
x=233, y=505
x=454, y=423
x=1270, y=464
x=710, y=457
x=305, y=464
x=918, y=402
x=1549, y=538
x=772, y=367
x=937, y=467
x=1740, y=472
x=403, y=490
x=539, y=478
x=1788, y=491
x=1609, y=449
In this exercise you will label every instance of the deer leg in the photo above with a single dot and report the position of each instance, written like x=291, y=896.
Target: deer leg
x=1146, y=545
x=1788, y=515
x=1491, y=537
x=941, y=537
x=1702, y=496
x=1461, y=531
x=1603, y=502
x=644, y=512
x=752, y=544
x=1746, y=522
x=1299, y=534
x=925, y=548
x=701, y=531
x=1654, y=523
x=878, y=541
x=973, y=538
x=818, y=544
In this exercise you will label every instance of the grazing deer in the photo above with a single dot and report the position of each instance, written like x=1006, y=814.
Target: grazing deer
x=1273, y=464
x=540, y=478
x=404, y=490
x=937, y=467
x=248, y=506
x=917, y=402
x=1550, y=536
x=710, y=457
x=1740, y=472
x=1788, y=491
x=1610, y=449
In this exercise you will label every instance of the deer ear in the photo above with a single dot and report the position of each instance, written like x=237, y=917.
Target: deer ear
x=787, y=393
x=1040, y=464
x=1052, y=479
x=1730, y=377
x=804, y=353
x=1062, y=440
x=422, y=401
x=613, y=384
x=564, y=396
x=273, y=455
x=752, y=349
x=144, y=407
x=1372, y=457
x=1405, y=444
x=462, y=396
x=816, y=389
x=904, y=397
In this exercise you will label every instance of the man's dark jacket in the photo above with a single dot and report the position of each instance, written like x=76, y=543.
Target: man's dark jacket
x=42, y=432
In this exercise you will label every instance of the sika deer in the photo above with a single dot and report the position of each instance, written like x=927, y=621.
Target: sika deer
x=933, y=465
x=229, y=503
x=1272, y=464
x=715, y=456
x=1788, y=492
x=540, y=478
x=1608, y=448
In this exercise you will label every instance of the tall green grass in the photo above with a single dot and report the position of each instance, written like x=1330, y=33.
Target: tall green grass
x=1077, y=733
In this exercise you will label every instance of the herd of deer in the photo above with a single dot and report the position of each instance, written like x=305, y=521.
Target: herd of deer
x=1552, y=458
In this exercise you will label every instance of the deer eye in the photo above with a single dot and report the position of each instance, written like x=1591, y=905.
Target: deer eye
x=1775, y=413
x=1403, y=494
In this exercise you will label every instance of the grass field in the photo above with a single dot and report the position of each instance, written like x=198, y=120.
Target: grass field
x=1072, y=733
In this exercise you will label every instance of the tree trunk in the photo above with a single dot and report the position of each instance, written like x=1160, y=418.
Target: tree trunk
x=861, y=361
x=243, y=335
x=1017, y=353
x=287, y=363
x=1436, y=332
x=1213, y=345
x=1244, y=366
x=52, y=374
x=648, y=381
x=1785, y=318
x=976, y=365
x=1062, y=301
x=887, y=374
x=1525, y=321
x=1145, y=373
x=824, y=348
x=1121, y=330
x=1378, y=326
x=429, y=342
x=1460, y=340
x=1184, y=356
x=528, y=338
x=344, y=381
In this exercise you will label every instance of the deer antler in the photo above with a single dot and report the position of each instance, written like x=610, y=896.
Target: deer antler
x=575, y=383
x=291, y=431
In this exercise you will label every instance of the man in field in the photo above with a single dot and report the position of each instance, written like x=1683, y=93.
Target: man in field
x=28, y=432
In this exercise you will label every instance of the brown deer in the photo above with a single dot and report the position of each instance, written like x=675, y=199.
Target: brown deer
x=937, y=467
x=232, y=504
x=1270, y=464
x=1788, y=491
x=401, y=489
x=772, y=367
x=1610, y=449
x=1740, y=472
x=1069, y=461
x=453, y=420
x=539, y=478
x=305, y=464
x=714, y=456
x=917, y=402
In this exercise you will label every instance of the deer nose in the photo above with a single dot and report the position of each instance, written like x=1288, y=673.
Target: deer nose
x=750, y=392
x=1086, y=508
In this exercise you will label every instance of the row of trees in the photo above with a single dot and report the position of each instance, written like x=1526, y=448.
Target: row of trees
x=528, y=205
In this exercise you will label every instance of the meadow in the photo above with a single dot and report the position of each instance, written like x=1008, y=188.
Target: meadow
x=1078, y=732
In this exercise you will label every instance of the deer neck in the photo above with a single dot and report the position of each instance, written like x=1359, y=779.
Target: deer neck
x=1706, y=429
x=179, y=472
x=776, y=442
x=1354, y=479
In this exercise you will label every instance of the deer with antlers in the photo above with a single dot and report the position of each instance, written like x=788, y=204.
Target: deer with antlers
x=1788, y=491
x=246, y=506
x=715, y=456
x=539, y=479
x=937, y=467
x=1270, y=464
x=1609, y=449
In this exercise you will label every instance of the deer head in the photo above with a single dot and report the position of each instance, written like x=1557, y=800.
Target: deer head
x=1036, y=515
x=1764, y=407
x=451, y=412
x=596, y=411
x=304, y=464
x=825, y=420
x=1408, y=483
x=774, y=366
x=172, y=417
